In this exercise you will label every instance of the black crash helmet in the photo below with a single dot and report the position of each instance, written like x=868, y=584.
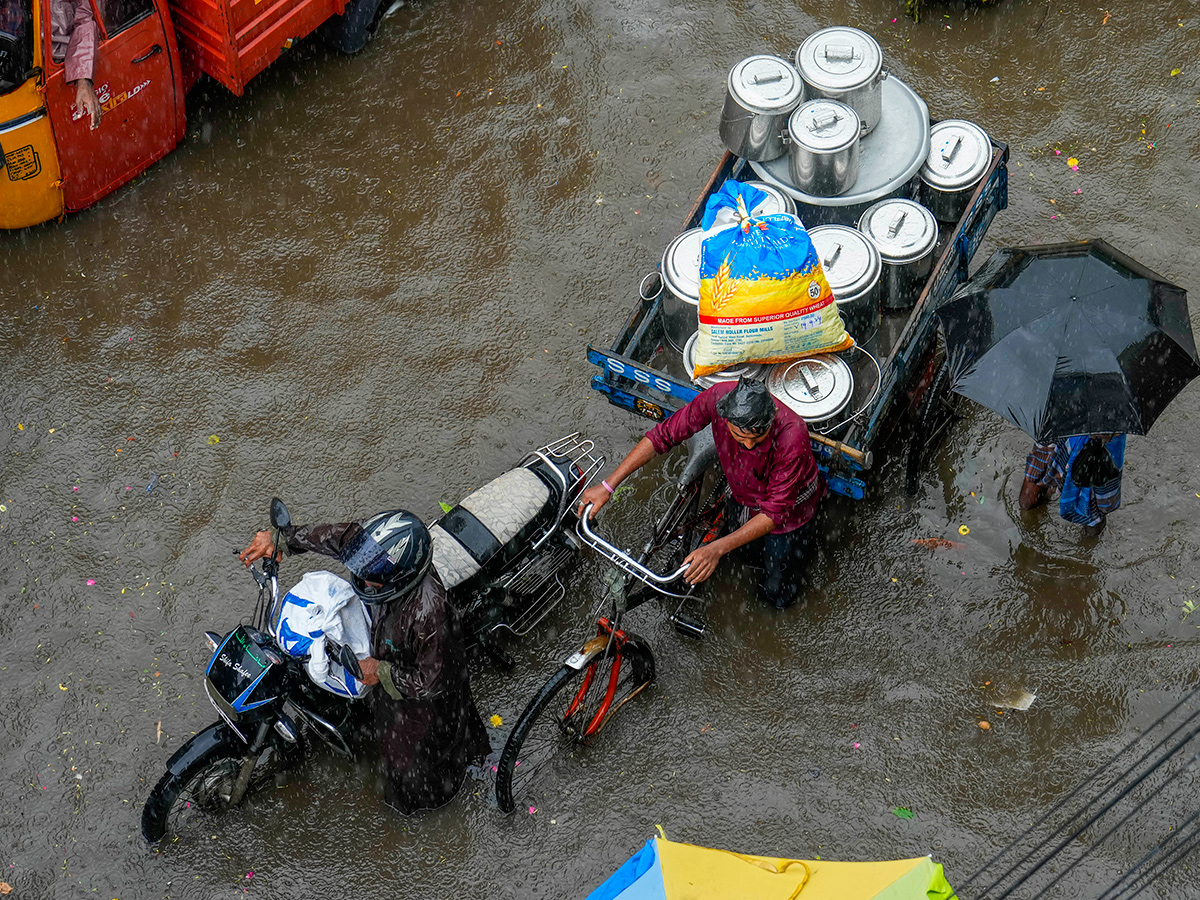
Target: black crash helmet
x=394, y=550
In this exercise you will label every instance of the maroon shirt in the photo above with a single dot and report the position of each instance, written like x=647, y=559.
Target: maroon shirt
x=779, y=477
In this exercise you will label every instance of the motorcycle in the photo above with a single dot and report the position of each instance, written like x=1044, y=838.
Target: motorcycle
x=500, y=553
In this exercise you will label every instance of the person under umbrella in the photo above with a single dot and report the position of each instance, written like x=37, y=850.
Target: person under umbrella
x=1078, y=345
x=1085, y=469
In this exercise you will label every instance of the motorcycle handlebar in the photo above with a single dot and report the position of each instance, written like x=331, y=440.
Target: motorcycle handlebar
x=262, y=577
x=623, y=560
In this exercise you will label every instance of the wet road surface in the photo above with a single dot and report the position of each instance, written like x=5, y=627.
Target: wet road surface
x=370, y=280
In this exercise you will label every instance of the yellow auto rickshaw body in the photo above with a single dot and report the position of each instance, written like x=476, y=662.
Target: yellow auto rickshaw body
x=31, y=181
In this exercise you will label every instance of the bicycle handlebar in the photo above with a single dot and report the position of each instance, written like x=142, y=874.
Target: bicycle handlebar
x=623, y=561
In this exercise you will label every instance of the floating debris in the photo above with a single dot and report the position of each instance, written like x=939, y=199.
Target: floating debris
x=1018, y=699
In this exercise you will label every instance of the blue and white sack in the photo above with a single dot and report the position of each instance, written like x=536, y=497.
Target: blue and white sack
x=323, y=610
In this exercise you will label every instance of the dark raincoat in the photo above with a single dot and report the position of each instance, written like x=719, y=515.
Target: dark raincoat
x=432, y=733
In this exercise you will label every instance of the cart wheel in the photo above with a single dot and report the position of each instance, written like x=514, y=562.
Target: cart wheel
x=938, y=409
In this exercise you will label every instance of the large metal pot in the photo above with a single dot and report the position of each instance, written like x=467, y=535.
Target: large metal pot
x=889, y=162
x=853, y=269
x=959, y=155
x=760, y=94
x=777, y=201
x=733, y=373
x=681, y=279
x=816, y=388
x=823, y=147
x=906, y=235
x=844, y=64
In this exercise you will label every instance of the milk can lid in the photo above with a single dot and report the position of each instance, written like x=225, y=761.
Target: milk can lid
x=825, y=126
x=959, y=154
x=776, y=201
x=850, y=260
x=903, y=230
x=766, y=84
x=839, y=58
x=816, y=388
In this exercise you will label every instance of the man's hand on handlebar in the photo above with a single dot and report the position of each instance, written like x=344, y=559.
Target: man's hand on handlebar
x=703, y=561
x=370, y=670
x=262, y=546
x=597, y=495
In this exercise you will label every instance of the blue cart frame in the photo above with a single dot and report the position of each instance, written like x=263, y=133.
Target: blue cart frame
x=629, y=380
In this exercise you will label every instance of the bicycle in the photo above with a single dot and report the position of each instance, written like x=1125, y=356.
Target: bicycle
x=614, y=666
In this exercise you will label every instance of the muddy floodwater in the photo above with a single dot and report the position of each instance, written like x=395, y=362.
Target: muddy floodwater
x=371, y=281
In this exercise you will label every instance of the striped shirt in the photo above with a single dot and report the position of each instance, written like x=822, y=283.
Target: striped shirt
x=1049, y=465
x=74, y=37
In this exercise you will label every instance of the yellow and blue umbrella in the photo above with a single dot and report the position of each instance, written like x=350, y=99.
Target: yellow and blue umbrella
x=667, y=870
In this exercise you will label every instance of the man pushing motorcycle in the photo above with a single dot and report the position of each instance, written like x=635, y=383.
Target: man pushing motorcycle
x=765, y=453
x=425, y=717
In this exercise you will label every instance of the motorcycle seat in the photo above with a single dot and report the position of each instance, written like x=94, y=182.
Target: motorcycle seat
x=486, y=523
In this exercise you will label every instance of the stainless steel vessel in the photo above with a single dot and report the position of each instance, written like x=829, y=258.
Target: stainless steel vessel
x=761, y=93
x=816, y=388
x=777, y=201
x=733, y=373
x=889, y=162
x=681, y=279
x=906, y=235
x=844, y=64
x=854, y=271
x=823, y=147
x=959, y=155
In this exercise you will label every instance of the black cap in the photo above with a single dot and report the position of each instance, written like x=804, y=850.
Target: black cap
x=748, y=406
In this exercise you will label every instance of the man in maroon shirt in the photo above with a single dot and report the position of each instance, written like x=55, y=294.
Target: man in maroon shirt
x=767, y=459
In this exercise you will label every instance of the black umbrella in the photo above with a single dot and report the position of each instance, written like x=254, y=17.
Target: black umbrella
x=1066, y=339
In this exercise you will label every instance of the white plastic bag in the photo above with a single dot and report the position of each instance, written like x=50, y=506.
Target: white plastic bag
x=323, y=608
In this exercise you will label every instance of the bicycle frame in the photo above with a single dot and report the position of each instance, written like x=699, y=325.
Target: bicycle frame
x=609, y=639
x=582, y=697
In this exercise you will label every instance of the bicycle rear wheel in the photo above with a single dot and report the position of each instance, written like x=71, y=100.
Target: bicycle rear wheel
x=565, y=716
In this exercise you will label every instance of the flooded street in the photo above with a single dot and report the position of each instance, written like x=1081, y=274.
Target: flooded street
x=371, y=281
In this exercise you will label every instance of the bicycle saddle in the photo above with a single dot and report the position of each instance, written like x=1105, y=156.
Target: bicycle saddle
x=702, y=453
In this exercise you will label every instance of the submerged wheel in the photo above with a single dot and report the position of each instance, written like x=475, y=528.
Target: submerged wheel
x=556, y=723
x=350, y=32
x=181, y=802
x=938, y=408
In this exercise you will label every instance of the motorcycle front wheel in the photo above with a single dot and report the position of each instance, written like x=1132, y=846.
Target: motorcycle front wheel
x=182, y=802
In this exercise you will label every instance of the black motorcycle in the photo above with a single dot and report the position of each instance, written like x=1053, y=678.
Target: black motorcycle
x=500, y=553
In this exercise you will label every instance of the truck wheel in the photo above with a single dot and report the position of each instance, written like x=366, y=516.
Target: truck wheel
x=349, y=32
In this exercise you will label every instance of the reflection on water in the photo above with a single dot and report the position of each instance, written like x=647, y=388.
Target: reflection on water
x=371, y=280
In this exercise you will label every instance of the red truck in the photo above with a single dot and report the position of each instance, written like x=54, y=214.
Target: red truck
x=150, y=54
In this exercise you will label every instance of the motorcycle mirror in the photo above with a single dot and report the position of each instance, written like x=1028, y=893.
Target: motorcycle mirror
x=280, y=517
x=350, y=662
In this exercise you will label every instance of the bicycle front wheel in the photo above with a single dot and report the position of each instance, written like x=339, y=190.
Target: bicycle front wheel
x=566, y=715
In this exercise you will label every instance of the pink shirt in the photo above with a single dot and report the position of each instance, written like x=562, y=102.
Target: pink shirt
x=779, y=477
x=73, y=37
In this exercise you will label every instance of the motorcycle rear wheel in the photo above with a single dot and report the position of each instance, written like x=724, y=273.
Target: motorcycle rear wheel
x=180, y=802
x=551, y=731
